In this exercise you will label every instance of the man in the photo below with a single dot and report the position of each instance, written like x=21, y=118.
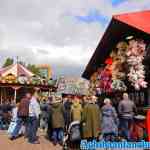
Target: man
x=126, y=111
x=84, y=101
x=23, y=113
x=44, y=114
x=91, y=119
x=58, y=122
x=67, y=107
x=34, y=112
x=49, y=119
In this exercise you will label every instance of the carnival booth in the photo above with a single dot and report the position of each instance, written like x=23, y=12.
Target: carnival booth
x=16, y=79
x=121, y=61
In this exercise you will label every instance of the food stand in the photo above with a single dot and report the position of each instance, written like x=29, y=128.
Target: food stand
x=120, y=62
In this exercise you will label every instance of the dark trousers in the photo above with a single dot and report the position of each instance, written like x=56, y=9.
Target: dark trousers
x=32, y=129
x=125, y=128
x=109, y=136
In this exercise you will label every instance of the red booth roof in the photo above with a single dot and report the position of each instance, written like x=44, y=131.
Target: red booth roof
x=139, y=20
x=135, y=24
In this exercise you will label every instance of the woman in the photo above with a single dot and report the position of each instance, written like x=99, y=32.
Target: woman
x=11, y=130
x=91, y=120
x=109, y=121
x=76, y=110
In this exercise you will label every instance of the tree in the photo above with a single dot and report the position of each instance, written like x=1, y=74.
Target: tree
x=8, y=62
x=22, y=63
x=33, y=69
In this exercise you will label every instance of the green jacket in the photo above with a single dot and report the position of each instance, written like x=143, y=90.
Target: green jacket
x=76, y=111
x=91, y=121
x=58, y=116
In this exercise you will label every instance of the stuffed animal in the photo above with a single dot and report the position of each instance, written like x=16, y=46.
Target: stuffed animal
x=118, y=73
x=135, y=55
x=118, y=85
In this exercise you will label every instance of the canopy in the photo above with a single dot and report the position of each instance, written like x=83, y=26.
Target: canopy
x=135, y=24
x=16, y=70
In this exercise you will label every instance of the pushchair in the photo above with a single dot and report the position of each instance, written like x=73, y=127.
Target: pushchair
x=72, y=137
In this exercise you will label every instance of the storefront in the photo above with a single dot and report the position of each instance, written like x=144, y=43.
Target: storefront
x=121, y=61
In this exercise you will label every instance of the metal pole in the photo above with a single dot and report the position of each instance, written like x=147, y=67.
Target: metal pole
x=1, y=94
x=15, y=95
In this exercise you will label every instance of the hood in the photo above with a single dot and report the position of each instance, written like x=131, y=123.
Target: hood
x=56, y=105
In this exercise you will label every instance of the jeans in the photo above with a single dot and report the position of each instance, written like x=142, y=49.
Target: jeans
x=19, y=124
x=125, y=127
x=57, y=135
x=32, y=129
x=1, y=123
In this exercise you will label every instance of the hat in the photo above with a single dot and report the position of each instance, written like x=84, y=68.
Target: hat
x=107, y=100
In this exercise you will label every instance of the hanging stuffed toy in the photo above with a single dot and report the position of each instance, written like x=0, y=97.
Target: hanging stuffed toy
x=135, y=55
x=118, y=74
x=105, y=82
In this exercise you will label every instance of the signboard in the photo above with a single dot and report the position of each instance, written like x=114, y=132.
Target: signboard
x=74, y=86
x=44, y=72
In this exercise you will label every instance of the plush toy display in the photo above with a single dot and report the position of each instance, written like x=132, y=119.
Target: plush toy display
x=125, y=61
x=118, y=74
x=106, y=81
x=135, y=55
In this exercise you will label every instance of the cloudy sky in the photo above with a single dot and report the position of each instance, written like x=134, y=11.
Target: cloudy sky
x=63, y=33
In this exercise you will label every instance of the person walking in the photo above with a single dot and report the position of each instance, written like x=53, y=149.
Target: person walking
x=126, y=111
x=109, y=121
x=58, y=121
x=22, y=114
x=44, y=115
x=34, y=112
x=91, y=120
x=49, y=119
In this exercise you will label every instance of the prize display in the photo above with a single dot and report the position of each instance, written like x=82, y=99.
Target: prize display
x=125, y=62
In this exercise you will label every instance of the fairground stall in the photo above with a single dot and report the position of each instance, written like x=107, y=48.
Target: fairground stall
x=17, y=79
x=121, y=61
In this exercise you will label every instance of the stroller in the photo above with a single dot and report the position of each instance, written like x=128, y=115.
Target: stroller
x=72, y=137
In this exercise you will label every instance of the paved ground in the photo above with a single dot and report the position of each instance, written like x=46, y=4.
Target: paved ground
x=21, y=143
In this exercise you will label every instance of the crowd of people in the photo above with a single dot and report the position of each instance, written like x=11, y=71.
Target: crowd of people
x=70, y=119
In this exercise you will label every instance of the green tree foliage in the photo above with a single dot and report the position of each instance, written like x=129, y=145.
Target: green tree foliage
x=33, y=69
x=8, y=62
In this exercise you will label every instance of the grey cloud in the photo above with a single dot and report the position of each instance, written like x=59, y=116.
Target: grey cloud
x=28, y=25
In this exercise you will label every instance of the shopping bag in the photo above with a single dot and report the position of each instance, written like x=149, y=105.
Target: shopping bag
x=11, y=127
